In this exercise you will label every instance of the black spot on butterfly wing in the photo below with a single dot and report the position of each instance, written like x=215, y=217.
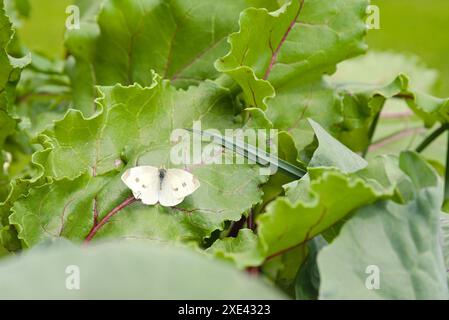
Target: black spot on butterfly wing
x=177, y=189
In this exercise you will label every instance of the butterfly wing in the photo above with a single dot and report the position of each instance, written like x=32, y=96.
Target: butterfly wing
x=176, y=185
x=144, y=182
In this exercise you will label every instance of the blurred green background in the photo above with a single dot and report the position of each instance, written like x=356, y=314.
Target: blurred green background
x=418, y=27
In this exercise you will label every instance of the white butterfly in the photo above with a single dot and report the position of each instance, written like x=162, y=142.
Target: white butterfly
x=169, y=187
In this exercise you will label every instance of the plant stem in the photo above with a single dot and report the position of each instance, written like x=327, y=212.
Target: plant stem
x=236, y=226
x=433, y=136
x=371, y=132
x=394, y=137
x=250, y=221
x=253, y=271
x=106, y=218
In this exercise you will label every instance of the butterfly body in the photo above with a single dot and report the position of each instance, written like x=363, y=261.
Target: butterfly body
x=153, y=185
x=162, y=173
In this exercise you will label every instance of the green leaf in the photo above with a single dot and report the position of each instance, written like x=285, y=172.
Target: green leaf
x=278, y=59
x=390, y=173
x=178, y=39
x=243, y=250
x=286, y=225
x=332, y=153
x=312, y=206
x=67, y=210
x=115, y=132
x=19, y=188
x=278, y=46
x=9, y=240
x=10, y=69
x=282, y=269
x=134, y=126
x=308, y=279
x=121, y=271
x=7, y=123
x=400, y=241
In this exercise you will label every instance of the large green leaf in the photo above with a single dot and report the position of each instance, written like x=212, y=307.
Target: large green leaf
x=131, y=122
x=286, y=225
x=178, y=39
x=390, y=176
x=303, y=36
x=313, y=204
x=130, y=270
x=66, y=211
x=278, y=220
x=133, y=126
x=398, y=243
x=282, y=229
x=278, y=59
